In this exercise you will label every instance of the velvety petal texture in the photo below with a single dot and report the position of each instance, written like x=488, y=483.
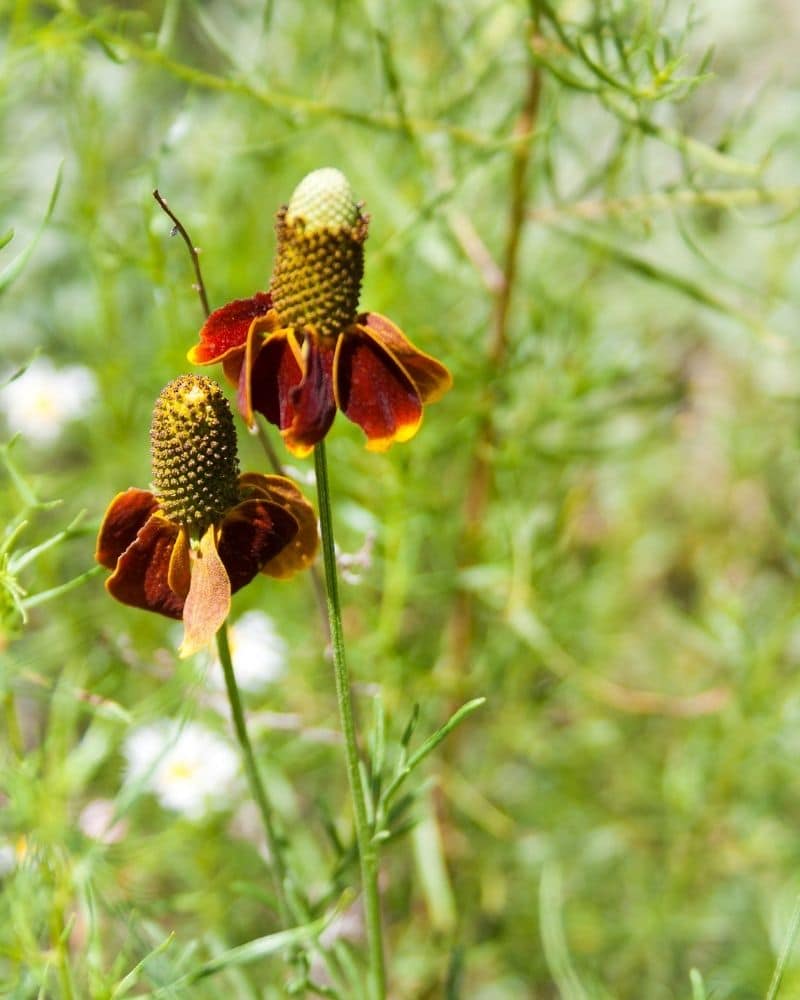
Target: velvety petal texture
x=126, y=514
x=313, y=399
x=252, y=534
x=300, y=552
x=430, y=377
x=273, y=369
x=225, y=330
x=374, y=390
x=141, y=575
x=298, y=379
x=272, y=530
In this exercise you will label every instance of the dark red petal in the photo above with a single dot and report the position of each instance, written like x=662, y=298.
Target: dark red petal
x=225, y=330
x=141, y=578
x=251, y=534
x=300, y=552
x=313, y=402
x=275, y=371
x=232, y=365
x=430, y=376
x=126, y=514
x=374, y=391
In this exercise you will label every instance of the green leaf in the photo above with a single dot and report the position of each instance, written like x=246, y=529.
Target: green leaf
x=262, y=947
x=429, y=746
x=18, y=264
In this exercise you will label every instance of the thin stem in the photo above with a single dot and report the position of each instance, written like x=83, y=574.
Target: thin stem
x=292, y=911
x=178, y=227
x=367, y=849
x=253, y=777
x=316, y=579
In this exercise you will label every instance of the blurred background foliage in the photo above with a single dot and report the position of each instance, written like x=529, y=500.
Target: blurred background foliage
x=588, y=210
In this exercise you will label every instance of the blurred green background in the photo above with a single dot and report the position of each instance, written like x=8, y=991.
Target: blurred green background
x=588, y=211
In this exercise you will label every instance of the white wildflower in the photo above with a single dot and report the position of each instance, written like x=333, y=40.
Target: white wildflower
x=12, y=854
x=189, y=769
x=258, y=652
x=39, y=402
x=304, y=474
x=8, y=859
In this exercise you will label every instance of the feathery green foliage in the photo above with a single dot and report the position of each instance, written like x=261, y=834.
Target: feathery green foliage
x=588, y=212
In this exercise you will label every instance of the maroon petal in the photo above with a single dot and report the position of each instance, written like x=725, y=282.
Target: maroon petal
x=430, y=376
x=274, y=372
x=225, y=330
x=374, y=390
x=300, y=552
x=252, y=534
x=141, y=577
x=126, y=514
x=313, y=402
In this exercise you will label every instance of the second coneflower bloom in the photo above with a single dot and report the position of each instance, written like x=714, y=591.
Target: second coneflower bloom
x=302, y=350
x=205, y=530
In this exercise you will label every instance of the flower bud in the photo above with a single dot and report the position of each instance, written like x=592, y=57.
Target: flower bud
x=194, y=458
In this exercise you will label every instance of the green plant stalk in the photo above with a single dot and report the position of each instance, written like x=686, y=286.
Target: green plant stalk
x=367, y=848
x=254, y=778
x=289, y=913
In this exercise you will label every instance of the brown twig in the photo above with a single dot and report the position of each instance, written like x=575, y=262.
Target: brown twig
x=178, y=227
x=478, y=486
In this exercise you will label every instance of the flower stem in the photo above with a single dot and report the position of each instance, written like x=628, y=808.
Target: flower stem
x=253, y=777
x=367, y=849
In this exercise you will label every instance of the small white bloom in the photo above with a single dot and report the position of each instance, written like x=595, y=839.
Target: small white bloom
x=258, y=652
x=304, y=475
x=353, y=565
x=12, y=854
x=189, y=769
x=43, y=399
x=8, y=859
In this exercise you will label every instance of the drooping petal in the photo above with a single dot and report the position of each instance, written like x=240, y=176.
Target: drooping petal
x=125, y=515
x=272, y=368
x=374, y=390
x=300, y=552
x=251, y=534
x=225, y=330
x=430, y=376
x=312, y=400
x=141, y=577
x=208, y=602
x=179, y=573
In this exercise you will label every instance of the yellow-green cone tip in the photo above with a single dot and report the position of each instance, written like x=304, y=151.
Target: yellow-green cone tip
x=323, y=200
x=194, y=457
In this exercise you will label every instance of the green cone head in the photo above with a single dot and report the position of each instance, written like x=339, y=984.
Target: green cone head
x=194, y=456
x=319, y=264
x=323, y=200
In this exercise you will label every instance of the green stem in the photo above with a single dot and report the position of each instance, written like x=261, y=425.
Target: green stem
x=254, y=778
x=367, y=849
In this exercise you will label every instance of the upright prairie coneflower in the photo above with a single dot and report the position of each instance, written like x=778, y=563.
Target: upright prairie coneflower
x=301, y=350
x=205, y=530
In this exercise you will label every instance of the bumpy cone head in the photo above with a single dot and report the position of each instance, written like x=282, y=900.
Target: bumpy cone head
x=323, y=200
x=320, y=259
x=193, y=447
